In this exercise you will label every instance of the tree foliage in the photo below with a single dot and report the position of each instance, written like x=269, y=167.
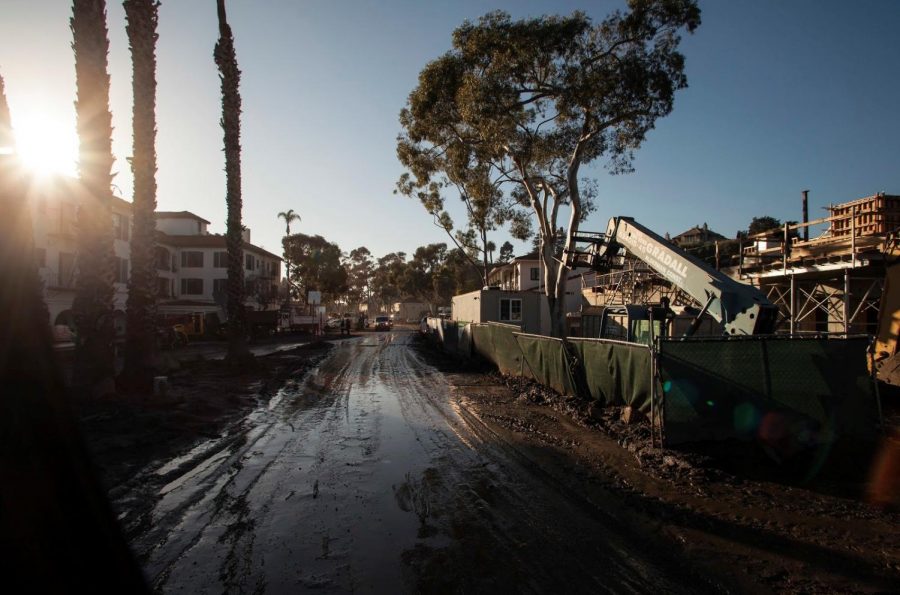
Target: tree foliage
x=507, y=253
x=764, y=223
x=317, y=265
x=528, y=102
x=360, y=268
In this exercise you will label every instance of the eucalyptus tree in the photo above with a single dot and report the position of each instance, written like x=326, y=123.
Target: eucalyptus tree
x=360, y=269
x=230, y=77
x=317, y=265
x=506, y=253
x=140, y=347
x=536, y=99
x=93, y=304
x=487, y=206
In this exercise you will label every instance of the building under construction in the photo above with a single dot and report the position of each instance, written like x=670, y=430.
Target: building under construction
x=825, y=275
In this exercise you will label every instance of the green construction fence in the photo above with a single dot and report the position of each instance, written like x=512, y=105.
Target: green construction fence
x=496, y=343
x=794, y=391
x=547, y=361
x=805, y=391
x=615, y=372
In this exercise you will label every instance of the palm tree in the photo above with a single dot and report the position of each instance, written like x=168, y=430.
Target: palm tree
x=140, y=346
x=93, y=304
x=230, y=75
x=289, y=217
x=42, y=447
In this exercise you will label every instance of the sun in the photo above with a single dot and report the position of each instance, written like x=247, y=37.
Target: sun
x=46, y=145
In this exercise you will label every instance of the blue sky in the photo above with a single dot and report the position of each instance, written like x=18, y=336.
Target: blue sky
x=783, y=96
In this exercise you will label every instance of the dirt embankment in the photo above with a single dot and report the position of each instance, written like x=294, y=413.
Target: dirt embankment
x=126, y=434
x=740, y=519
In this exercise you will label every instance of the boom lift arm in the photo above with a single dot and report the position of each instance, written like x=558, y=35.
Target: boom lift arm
x=742, y=309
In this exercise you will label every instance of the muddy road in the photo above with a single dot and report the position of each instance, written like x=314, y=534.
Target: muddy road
x=368, y=475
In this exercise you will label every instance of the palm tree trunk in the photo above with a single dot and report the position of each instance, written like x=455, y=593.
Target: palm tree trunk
x=140, y=346
x=55, y=515
x=230, y=75
x=93, y=304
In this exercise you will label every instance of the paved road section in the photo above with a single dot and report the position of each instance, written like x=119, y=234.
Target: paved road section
x=369, y=476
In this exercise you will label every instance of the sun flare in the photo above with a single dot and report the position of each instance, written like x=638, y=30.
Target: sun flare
x=46, y=146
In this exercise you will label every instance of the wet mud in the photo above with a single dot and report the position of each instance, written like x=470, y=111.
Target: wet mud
x=384, y=468
x=370, y=475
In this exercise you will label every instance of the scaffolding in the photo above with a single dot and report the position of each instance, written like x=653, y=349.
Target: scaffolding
x=832, y=283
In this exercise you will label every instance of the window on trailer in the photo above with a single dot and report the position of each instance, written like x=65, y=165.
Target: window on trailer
x=510, y=310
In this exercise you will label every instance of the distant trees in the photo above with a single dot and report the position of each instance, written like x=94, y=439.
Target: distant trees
x=507, y=253
x=360, y=268
x=317, y=265
x=93, y=303
x=140, y=346
x=764, y=223
x=530, y=101
x=230, y=75
x=434, y=273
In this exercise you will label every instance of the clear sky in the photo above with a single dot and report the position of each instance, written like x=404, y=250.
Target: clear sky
x=783, y=96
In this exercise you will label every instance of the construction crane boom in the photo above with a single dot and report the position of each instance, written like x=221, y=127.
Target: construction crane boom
x=742, y=309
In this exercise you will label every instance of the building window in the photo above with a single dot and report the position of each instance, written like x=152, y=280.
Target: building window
x=163, y=287
x=249, y=262
x=40, y=257
x=162, y=259
x=68, y=218
x=120, y=226
x=121, y=270
x=192, y=259
x=66, y=271
x=220, y=260
x=535, y=274
x=220, y=286
x=192, y=287
x=510, y=310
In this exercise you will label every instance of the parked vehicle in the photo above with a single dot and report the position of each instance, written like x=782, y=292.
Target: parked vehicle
x=261, y=323
x=383, y=323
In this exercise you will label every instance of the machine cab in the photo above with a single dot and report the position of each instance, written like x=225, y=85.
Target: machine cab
x=635, y=323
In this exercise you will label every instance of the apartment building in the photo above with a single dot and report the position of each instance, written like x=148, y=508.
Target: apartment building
x=54, y=214
x=520, y=274
x=191, y=262
x=193, y=267
x=525, y=274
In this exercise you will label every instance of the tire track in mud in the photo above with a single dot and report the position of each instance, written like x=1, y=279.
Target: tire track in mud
x=371, y=475
x=534, y=528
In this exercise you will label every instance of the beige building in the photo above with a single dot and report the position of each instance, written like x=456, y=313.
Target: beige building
x=190, y=261
x=410, y=311
x=527, y=309
x=193, y=267
x=54, y=214
x=520, y=274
